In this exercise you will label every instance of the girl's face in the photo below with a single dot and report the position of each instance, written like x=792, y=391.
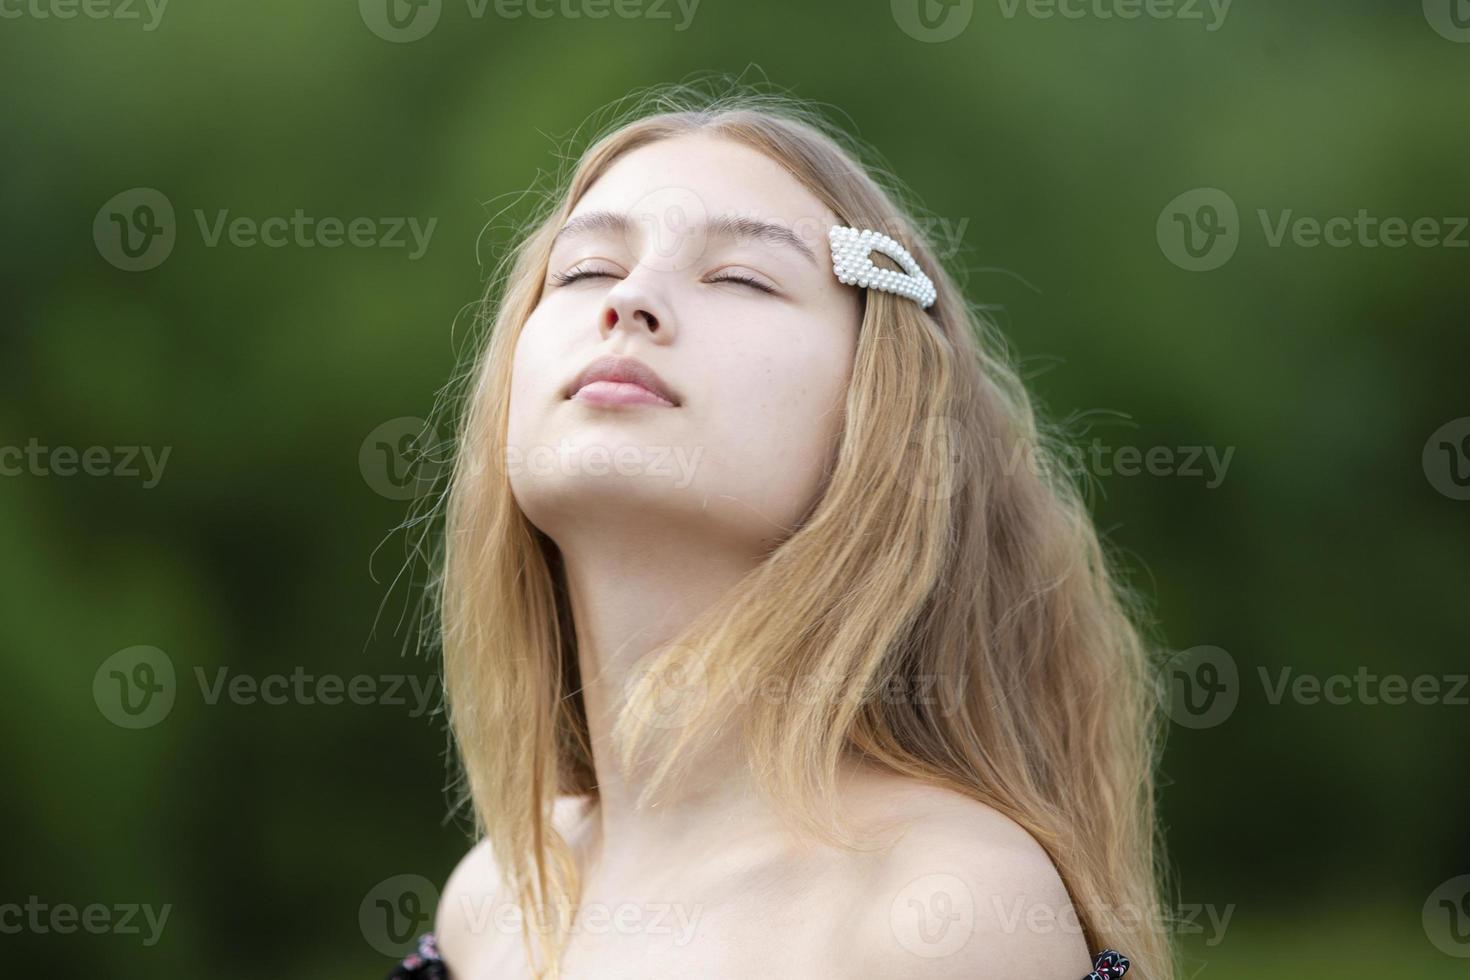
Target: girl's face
x=707, y=262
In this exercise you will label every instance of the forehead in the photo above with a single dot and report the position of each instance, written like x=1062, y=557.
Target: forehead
x=695, y=177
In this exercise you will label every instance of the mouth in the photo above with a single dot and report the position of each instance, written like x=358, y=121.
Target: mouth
x=620, y=380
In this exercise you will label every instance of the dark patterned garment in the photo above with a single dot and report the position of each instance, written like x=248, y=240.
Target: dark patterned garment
x=425, y=964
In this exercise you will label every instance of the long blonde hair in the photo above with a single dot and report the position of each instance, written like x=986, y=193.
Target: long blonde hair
x=930, y=554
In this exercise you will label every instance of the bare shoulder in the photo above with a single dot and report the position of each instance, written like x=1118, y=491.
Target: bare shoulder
x=965, y=893
x=475, y=894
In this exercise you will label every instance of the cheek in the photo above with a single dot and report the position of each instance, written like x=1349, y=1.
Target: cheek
x=773, y=426
x=534, y=370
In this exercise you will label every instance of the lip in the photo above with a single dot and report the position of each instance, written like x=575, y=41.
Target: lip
x=621, y=380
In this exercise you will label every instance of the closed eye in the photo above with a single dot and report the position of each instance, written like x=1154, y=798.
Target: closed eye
x=567, y=278
x=743, y=280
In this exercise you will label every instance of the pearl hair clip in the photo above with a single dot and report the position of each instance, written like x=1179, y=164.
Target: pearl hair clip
x=852, y=261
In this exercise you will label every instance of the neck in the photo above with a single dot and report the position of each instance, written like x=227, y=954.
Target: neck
x=632, y=594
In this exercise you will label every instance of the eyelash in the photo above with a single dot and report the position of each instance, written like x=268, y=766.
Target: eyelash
x=567, y=278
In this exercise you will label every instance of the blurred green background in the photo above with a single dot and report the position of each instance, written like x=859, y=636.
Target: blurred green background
x=1054, y=149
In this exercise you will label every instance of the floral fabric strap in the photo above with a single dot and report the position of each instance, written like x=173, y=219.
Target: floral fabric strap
x=423, y=963
x=1108, y=965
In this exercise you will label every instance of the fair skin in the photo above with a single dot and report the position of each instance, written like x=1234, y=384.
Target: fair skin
x=707, y=882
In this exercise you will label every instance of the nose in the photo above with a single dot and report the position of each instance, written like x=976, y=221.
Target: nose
x=632, y=304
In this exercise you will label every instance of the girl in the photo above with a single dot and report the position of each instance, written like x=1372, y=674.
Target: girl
x=774, y=643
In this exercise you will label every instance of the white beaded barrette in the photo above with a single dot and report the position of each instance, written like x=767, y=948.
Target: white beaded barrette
x=852, y=261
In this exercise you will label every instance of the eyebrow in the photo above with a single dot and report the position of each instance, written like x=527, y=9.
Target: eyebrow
x=721, y=226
